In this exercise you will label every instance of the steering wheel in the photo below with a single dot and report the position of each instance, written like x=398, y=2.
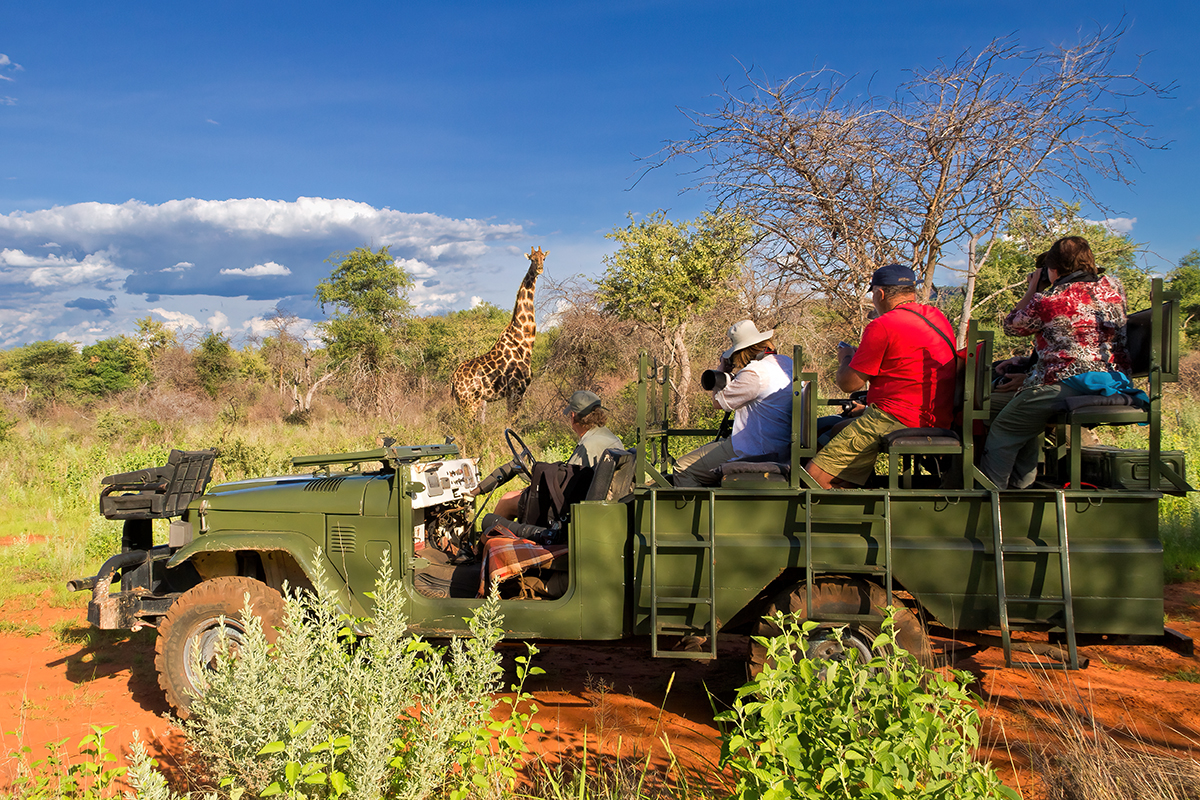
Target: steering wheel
x=522, y=456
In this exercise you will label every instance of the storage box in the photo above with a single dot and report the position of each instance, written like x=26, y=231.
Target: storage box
x=1111, y=467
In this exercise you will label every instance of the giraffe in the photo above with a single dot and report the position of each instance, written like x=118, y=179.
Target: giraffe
x=503, y=371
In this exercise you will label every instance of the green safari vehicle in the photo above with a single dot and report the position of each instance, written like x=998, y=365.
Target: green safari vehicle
x=1074, y=561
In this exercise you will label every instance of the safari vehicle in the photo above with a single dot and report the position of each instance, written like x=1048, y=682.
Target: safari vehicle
x=1074, y=561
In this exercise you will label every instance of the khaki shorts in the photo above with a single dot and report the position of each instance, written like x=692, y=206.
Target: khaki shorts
x=851, y=454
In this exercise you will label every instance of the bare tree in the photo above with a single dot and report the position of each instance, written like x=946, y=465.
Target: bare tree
x=841, y=183
x=283, y=350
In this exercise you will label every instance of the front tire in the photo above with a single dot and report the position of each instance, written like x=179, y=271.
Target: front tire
x=194, y=624
x=837, y=595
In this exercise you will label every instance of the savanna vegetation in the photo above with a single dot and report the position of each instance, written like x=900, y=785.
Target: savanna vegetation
x=812, y=189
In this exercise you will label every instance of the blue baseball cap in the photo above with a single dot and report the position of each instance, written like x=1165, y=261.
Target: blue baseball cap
x=893, y=275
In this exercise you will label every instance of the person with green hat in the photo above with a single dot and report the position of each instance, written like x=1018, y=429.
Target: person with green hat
x=587, y=418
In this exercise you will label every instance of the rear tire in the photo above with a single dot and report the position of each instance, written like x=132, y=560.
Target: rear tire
x=193, y=622
x=836, y=595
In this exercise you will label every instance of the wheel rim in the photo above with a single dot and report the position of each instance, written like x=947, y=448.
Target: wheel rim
x=205, y=639
x=826, y=645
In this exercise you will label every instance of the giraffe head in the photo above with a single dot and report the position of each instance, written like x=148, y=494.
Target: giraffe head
x=536, y=259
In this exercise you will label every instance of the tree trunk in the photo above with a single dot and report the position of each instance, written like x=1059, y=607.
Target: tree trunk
x=968, y=293
x=679, y=355
x=308, y=397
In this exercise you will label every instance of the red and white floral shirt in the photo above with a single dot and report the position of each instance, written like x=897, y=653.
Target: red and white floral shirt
x=1078, y=327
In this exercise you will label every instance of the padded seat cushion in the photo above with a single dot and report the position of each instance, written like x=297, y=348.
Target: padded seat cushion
x=916, y=437
x=752, y=467
x=1085, y=402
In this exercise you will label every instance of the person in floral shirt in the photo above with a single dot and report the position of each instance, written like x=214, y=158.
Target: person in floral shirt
x=1078, y=325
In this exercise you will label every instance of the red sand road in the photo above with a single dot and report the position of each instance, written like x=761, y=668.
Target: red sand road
x=54, y=685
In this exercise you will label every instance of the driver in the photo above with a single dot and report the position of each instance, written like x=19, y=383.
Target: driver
x=587, y=418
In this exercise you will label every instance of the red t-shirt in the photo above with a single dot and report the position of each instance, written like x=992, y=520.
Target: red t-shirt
x=912, y=369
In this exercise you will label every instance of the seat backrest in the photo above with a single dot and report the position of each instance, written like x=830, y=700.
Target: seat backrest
x=1140, y=335
x=613, y=478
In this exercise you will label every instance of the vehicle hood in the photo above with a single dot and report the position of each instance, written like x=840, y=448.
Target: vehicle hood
x=326, y=494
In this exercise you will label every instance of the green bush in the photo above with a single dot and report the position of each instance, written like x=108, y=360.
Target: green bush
x=387, y=714
x=888, y=728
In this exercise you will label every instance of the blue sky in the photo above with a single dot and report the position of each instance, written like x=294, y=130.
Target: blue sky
x=199, y=162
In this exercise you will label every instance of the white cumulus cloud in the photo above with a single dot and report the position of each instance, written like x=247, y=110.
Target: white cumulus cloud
x=259, y=270
x=220, y=251
x=1120, y=225
x=218, y=322
x=177, y=320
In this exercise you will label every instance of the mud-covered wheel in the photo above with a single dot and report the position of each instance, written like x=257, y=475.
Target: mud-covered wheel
x=194, y=625
x=836, y=595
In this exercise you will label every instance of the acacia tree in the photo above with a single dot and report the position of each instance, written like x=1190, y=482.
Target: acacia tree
x=843, y=183
x=369, y=296
x=664, y=274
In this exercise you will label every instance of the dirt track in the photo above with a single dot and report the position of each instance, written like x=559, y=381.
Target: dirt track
x=55, y=682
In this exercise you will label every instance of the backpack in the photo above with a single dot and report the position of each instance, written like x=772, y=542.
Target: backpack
x=554, y=486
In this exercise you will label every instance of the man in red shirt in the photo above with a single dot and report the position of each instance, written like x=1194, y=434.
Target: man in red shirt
x=908, y=359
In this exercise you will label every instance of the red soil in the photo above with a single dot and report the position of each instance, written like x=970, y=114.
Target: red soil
x=55, y=683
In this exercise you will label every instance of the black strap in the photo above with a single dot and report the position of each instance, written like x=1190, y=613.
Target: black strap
x=938, y=330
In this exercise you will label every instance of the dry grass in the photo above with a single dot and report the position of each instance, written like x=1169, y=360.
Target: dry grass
x=1078, y=757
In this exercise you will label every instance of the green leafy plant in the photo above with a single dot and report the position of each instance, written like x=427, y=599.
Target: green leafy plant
x=93, y=777
x=887, y=728
x=496, y=748
x=325, y=712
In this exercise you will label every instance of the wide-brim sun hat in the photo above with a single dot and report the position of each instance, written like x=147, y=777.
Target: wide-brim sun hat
x=743, y=334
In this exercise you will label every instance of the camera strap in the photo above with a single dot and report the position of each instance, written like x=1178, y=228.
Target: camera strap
x=936, y=329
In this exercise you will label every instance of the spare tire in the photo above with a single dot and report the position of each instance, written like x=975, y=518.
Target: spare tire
x=839, y=595
x=194, y=624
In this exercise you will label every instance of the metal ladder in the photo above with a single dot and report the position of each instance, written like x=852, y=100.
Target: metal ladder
x=707, y=544
x=1064, y=559
x=813, y=569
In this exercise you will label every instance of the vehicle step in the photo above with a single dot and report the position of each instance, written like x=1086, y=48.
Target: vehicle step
x=691, y=601
x=679, y=627
x=661, y=546
x=854, y=569
x=859, y=520
x=1031, y=548
x=1023, y=599
x=847, y=618
x=701, y=656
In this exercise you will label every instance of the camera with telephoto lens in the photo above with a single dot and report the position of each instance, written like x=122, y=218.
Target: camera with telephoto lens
x=714, y=380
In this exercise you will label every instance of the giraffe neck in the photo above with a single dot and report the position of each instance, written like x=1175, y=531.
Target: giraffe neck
x=522, y=328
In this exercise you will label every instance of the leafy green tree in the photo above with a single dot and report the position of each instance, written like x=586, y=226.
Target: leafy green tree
x=110, y=366
x=41, y=371
x=435, y=345
x=369, y=296
x=665, y=274
x=368, y=293
x=216, y=363
x=155, y=336
x=1185, y=279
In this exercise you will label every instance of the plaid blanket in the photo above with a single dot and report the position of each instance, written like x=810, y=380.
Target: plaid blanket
x=505, y=556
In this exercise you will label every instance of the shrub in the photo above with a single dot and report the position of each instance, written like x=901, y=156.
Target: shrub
x=390, y=714
x=888, y=728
